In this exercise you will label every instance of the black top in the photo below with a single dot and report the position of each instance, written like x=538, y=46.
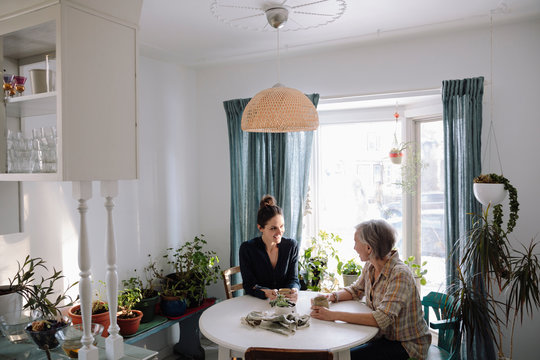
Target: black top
x=257, y=271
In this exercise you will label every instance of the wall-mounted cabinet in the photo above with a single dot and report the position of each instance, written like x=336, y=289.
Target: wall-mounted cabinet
x=90, y=58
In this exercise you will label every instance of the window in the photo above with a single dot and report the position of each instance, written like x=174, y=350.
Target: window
x=353, y=180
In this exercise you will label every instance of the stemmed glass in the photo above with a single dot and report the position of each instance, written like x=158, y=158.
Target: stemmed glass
x=8, y=84
x=19, y=83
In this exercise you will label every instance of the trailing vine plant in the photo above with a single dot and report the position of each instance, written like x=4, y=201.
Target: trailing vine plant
x=497, y=209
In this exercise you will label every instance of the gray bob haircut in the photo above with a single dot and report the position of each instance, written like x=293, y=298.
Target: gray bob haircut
x=379, y=235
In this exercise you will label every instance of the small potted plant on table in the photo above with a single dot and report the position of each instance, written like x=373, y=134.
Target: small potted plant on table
x=282, y=305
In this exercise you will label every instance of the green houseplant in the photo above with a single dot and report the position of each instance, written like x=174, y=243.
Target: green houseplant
x=313, y=265
x=39, y=297
x=150, y=296
x=194, y=268
x=496, y=283
x=11, y=294
x=418, y=270
x=100, y=309
x=349, y=270
x=129, y=319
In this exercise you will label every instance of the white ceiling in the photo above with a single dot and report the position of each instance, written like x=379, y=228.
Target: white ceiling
x=188, y=32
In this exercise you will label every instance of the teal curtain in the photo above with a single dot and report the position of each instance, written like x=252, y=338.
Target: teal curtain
x=462, y=121
x=265, y=163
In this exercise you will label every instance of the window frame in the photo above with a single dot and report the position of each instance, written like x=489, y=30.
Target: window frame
x=414, y=115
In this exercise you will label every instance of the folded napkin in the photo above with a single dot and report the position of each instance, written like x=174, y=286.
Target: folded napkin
x=285, y=324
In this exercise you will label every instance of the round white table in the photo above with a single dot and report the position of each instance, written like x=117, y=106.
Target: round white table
x=221, y=324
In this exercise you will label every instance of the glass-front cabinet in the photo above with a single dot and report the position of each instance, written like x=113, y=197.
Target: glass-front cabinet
x=68, y=109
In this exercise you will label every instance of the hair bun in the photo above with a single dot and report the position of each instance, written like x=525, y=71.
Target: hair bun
x=267, y=200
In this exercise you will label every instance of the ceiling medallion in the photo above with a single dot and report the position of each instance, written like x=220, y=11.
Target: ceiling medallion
x=256, y=14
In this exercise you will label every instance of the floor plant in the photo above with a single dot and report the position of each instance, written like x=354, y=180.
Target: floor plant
x=497, y=283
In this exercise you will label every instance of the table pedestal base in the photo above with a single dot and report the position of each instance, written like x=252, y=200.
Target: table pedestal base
x=189, y=346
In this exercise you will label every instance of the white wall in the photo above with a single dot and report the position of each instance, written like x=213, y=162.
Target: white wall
x=386, y=66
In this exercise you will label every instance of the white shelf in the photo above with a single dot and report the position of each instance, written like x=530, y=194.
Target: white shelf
x=30, y=177
x=31, y=105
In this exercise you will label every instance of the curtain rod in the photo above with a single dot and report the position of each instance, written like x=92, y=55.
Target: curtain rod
x=417, y=92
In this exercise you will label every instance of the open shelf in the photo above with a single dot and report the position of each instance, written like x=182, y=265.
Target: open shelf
x=31, y=105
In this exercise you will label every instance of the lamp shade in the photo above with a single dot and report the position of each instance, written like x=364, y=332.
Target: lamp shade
x=280, y=109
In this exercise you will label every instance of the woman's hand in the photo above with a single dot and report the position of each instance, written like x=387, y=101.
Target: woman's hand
x=293, y=295
x=321, y=313
x=271, y=294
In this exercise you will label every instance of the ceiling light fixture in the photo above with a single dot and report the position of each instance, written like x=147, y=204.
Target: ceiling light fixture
x=279, y=109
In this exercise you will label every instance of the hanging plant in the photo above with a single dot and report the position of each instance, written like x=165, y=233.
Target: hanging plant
x=396, y=152
x=497, y=209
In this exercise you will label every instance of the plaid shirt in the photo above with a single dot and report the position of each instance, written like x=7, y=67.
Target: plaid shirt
x=396, y=305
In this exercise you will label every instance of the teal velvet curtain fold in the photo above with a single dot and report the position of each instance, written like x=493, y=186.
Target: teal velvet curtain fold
x=265, y=163
x=462, y=121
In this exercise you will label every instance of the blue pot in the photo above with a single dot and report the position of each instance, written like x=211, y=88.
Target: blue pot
x=172, y=307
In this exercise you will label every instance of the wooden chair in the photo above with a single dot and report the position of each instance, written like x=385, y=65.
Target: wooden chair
x=448, y=328
x=259, y=353
x=229, y=288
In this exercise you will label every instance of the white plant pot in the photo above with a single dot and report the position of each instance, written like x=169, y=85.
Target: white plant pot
x=10, y=303
x=348, y=280
x=278, y=310
x=396, y=158
x=489, y=193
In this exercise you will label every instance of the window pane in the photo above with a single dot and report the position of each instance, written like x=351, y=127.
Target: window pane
x=432, y=205
x=357, y=181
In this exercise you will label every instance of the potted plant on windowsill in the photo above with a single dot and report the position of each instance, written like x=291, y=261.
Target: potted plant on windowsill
x=193, y=269
x=129, y=319
x=418, y=270
x=349, y=270
x=313, y=270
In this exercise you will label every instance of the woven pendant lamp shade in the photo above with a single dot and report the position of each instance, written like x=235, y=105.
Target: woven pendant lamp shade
x=280, y=109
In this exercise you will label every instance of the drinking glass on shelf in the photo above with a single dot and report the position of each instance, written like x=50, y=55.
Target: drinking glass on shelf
x=19, y=83
x=8, y=83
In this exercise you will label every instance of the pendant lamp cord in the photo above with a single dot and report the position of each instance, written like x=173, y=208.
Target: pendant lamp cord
x=491, y=128
x=278, y=63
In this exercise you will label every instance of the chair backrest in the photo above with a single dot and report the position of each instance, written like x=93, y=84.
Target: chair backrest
x=258, y=353
x=441, y=304
x=229, y=287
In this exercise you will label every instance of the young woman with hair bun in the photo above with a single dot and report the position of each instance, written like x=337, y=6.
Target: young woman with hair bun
x=269, y=262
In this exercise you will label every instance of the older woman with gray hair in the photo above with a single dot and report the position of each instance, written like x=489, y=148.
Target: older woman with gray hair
x=390, y=291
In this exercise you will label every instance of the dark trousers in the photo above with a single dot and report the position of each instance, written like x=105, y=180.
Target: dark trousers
x=380, y=349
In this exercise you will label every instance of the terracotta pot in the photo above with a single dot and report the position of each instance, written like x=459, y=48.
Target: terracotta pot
x=102, y=319
x=131, y=325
